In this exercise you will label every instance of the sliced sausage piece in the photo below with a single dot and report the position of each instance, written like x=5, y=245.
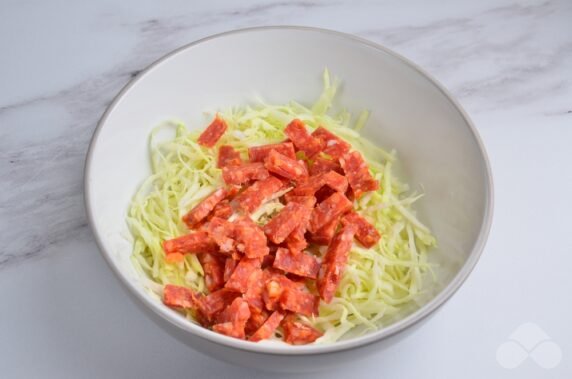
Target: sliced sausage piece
x=251, y=239
x=325, y=234
x=298, y=263
x=297, y=333
x=213, y=132
x=283, y=223
x=259, y=153
x=222, y=210
x=322, y=165
x=232, y=320
x=228, y=156
x=328, y=210
x=213, y=267
x=366, y=233
x=244, y=173
x=334, y=146
x=238, y=281
x=297, y=133
x=334, y=262
x=192, y=243
x=288, y=168
x=256, y=320
x=357, y=172
x=255, y=287
x=267, y=329
x=180, y=297
x=229, y=266
x=200, y=212
x=211, y=305
x=295, y=300
x=310, y=186
x=223, y=233
x=251, y=198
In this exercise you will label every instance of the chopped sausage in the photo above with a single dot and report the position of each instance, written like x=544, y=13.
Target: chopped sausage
x=223, y=233
x=215, y=302
x=180, y=297
x=228, y=156
x=232, y=320
x=244, y=173
x=295, y=300
x=311, y=185
x=251, y=198
x=255, y=287
x=267, y=329
x=282, y=224
x=366, y=233
x=251, y=239
x=328, y=210
x=298, y=263
x=238, y=281
x=322, y=165
x=324, y=235
x=259, y=153
x=333, y=145
x=335, y=262
x=288, y=168
x=358, y=174
x=213, y=132
x=256, y=320
x=296, y=131
x=222, y=210
x=192, y=243
x=213, y=267
x=229, y=266
x=202, y=209
x=297, y=333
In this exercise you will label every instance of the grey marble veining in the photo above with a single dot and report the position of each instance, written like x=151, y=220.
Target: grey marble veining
x=62, y=62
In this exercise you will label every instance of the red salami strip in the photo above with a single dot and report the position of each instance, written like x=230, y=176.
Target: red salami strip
x=251, y=239
x=255, y=321
x=272, y=291
x=297, y=333
x=366, y=233
x=297, y=301
x=238, y=281
x=281, y=225
x=267, y=329
x=244, y=173
x=325, y=234
x=296, y=241
x=358, y=174
x=196, y=242
x=213, y=267
x=214, y=303
x=288, y=168
x=335, y=262
x=251, y=198
x=328, y=210
x=299, y=263
x=222, y=210
x=310, y=186
x=259, y=153
x=228, y=156
x=255, y=287
x=223, y=233
x=323, y=165
x=229, y=266
x=213, y=132
x=333, y=145
x=202, y=209
x=232, y=320
x=180, y=297
x=296, y=131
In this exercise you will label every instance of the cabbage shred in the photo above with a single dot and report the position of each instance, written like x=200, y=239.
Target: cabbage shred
x=376, y=282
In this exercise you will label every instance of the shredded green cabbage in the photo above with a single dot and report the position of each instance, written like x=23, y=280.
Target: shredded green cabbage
x=376, y=281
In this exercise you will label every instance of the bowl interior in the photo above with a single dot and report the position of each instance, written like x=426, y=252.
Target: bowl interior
x=437, y=149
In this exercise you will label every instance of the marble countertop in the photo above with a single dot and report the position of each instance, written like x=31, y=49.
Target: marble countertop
x=508, y=62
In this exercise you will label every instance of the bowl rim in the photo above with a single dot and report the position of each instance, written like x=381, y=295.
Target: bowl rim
x=196, y=330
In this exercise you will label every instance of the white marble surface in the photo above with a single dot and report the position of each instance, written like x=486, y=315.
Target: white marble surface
x=63, y=314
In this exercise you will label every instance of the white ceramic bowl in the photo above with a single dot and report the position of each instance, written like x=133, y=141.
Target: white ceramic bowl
x=437, y=145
